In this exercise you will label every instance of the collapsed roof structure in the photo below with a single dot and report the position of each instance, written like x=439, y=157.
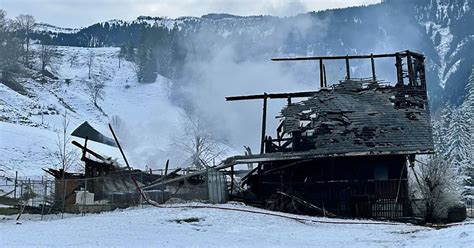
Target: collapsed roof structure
x=344, y=150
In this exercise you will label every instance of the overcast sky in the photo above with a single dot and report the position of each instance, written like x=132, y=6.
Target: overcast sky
x=78, y=13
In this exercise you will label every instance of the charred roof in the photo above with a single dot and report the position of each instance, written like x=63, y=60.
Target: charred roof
x=355, y=116
x=362, y=116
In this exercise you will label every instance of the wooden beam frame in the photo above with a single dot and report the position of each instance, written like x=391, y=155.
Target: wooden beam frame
x=272, y=96
x=384, y=55
x=372, y=64
x=264, y=123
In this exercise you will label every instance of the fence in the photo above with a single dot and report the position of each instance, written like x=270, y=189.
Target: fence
x=35, y=194
x=111, y=191
x=469, y=207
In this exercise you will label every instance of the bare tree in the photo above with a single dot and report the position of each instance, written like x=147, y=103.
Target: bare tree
x=46, y=55
x=198, y=142
x=65, y=156
x=437, y=187
x=73, y=59
x=10, y=47
x=90, y=61
x=96, y=90
x=25, y=26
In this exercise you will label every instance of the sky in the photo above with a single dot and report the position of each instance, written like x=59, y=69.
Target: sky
x=80, y=13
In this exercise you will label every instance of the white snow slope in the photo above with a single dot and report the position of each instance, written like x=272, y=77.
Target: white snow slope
x=161, y=227
x=29, y=123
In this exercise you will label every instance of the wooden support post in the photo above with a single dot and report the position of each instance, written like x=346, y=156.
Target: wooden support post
x=45, y=192
x=166, y=167
x=321, y=76
x=372, y=63
x=289, y=100
x=422, y=71
x=410, y=70
x=264, y=123
x=348, y=69
x=398, y=64
x=231, y=180
x=259, y=178
x=16, y=182
x=325, y=79
x=119, y=146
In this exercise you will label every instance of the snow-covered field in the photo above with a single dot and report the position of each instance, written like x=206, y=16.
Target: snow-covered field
x=205, y=227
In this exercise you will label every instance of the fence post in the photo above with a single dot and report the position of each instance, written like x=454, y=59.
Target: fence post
x=30, y=188
x=141, y=197
x=44, y=198
x=21, y=190
x=84, y=196
x=16, y=181
x=163, y=187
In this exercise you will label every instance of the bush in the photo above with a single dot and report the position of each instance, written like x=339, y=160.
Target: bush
x=437, y=189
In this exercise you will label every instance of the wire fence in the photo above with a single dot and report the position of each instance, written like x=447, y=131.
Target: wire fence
x=118, y=190
x=34, y=195
x=115, y=190
x=469, y=207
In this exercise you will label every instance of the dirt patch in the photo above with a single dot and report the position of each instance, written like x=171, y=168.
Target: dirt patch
x=187, y=220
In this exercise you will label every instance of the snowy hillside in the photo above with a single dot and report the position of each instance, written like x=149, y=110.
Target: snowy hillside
x=51, y=29
x=203, y=227
x=32, y=118
x=439, y=29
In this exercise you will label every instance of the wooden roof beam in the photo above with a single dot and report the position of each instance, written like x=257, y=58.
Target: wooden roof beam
x=383, y=55
x=272, y=96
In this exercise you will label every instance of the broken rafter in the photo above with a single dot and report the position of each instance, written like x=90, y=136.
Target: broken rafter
x=307, y=204
x=272, y=96
x=88, y=150
x=120, y=147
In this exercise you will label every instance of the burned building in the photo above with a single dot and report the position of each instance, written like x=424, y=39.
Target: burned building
x=345, y=150
x=105, y=184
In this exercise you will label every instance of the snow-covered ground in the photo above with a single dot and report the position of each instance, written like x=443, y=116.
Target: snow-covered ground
x=29, y=123
x=205, y=227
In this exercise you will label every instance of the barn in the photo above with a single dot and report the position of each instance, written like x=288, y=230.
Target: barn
x=345, y=150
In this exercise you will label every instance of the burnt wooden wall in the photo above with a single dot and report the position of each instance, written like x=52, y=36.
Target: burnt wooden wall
x=363, y=186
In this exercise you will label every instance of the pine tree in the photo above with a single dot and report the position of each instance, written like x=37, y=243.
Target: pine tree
x=454, y=138
x=458, y=139
x=441, y=131
x=468, y=115
x=146, y=59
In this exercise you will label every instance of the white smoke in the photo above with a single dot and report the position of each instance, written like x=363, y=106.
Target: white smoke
x=227, y=69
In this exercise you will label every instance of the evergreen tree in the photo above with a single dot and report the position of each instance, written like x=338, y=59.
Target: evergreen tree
x=454, y=138
x=468, y=110
x=146, y=58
